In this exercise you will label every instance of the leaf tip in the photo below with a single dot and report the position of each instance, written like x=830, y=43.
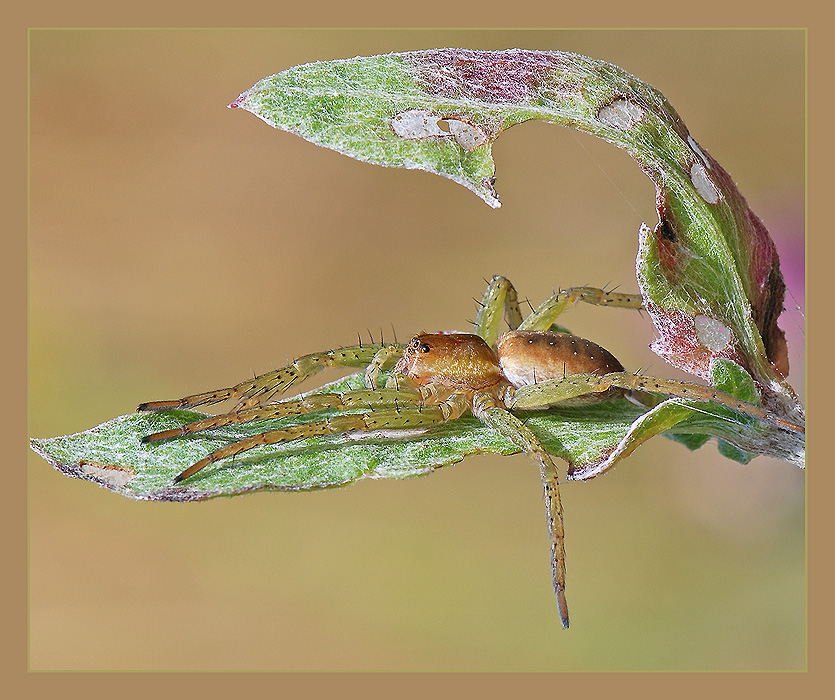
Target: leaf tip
x=238, y=102
x=488, y=192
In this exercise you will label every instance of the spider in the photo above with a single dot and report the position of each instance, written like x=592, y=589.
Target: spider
x=438, y=377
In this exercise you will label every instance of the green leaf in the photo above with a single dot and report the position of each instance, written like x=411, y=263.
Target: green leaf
x=690, y=441
x=729, y=377
x=730, y=451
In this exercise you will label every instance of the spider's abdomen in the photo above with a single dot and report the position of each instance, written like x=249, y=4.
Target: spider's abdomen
x=527, y=357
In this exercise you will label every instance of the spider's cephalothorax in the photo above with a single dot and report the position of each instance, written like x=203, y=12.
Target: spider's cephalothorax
x=438, y=377
x=460, y=361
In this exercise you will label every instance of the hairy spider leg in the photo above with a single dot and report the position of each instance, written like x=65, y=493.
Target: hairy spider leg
x=544, y=316
x=501, y=295
x=312, y=403
x=412, y=407
x=385, y=358
x=254, y=391
x=493, y=414
x=375, y=419
x=552, y=391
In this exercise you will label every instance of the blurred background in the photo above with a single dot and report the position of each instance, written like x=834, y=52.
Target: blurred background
x=177, y=246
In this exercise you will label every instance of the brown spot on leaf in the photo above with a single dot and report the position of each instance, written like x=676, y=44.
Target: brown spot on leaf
x=665, y=230
x=489, y=184
x=467, y=135
x=419, y=124
x=712, y=333
x=701, y=181
x=668, y=245
x=765, y=316
x=511, y=76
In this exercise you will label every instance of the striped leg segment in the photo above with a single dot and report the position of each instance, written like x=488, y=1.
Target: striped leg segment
x=549, y=310
x=499, y=296
x=259, y=389
x=296, y=407
x=388, y=418
x=556, y=533
x=552, y=391
x=385, y=358
x=497, y=417
x=698, y=392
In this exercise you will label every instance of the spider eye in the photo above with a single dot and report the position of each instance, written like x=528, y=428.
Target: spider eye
x=423, y=347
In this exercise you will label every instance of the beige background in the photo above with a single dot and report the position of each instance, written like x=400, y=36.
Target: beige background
x=176, y=245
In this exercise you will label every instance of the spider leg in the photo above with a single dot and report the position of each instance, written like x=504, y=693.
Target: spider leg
x=312, y=403
x=383, y=358
x=698, y=392
x=493, y=414
x=553, y=391
x=499, y=295
x=399, y=417
x=253, y=391
x=547, y=312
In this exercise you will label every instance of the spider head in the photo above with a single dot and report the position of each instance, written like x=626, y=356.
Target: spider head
x=457, y=360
